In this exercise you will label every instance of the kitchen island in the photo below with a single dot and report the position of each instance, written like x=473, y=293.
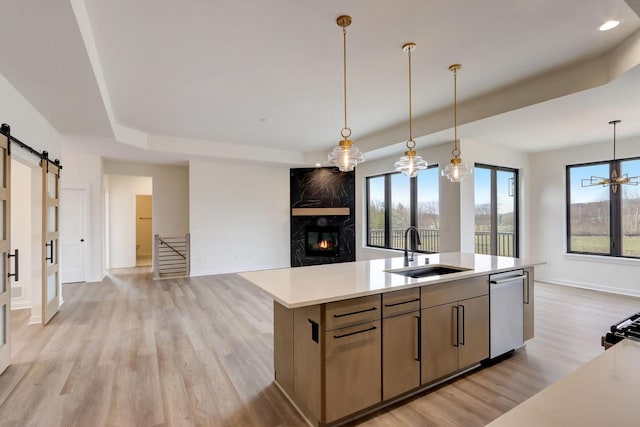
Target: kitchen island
x=352, y=337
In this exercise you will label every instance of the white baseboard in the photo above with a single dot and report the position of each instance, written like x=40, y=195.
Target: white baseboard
x=20, y=304
x=590, y=286
x=235, y=270
x=35, y=320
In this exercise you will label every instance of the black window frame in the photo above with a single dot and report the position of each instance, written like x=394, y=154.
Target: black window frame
x=615, y=210
x=413, y=214
x=494, y=208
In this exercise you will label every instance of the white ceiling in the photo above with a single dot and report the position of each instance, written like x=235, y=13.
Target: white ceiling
x=269, y=73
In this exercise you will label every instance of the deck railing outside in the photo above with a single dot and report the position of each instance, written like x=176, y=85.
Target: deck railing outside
x=429, y=239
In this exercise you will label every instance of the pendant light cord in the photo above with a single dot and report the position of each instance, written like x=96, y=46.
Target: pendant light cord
x=410, y=103
x=614, y=141
x=344, y=61
x=455, y=111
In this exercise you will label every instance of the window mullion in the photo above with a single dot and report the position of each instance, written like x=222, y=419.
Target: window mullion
x=615, y=215
x=387, y=211
x=494, y=212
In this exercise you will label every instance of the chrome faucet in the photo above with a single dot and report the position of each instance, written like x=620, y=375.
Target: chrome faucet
x=406, y=244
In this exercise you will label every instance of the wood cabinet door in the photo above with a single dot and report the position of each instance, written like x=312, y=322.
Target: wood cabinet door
x=473, y=323
x=439, y=341
x=527, y=298
x=353, y=367
x=400, y=354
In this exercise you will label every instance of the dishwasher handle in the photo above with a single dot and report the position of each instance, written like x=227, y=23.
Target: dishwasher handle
x=509, y=279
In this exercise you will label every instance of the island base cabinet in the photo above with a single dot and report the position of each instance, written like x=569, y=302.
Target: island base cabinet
x=439, y=341
x=527, y=297
x=400, y=354
x=352, y=370
x=473, y=321
x=454, y=336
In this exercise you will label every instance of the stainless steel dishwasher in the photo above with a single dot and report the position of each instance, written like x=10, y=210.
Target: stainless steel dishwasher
x=506, y=298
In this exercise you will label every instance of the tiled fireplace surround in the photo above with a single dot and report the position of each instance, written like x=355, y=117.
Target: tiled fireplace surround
x=322, y=199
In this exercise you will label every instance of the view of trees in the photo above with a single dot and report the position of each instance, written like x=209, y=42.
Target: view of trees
x=428, y=215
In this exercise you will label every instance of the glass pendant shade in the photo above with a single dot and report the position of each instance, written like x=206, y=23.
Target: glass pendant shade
x=346, y=156
x=410, y=164
x=456, y=171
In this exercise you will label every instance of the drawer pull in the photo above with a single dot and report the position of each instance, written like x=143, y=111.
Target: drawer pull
x=355, y=312
x=403, y=302
x=354, y=333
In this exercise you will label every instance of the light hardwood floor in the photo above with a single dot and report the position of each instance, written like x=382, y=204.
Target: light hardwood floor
x=131, y=351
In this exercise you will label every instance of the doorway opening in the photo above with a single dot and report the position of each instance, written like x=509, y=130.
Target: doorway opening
x=144, y=234
x=129, y=227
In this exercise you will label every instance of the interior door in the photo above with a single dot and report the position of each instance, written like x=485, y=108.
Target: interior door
x=5, y=232
x=72, y=236
x=51, y=234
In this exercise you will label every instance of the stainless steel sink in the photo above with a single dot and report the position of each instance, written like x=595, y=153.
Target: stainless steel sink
x=427, y=271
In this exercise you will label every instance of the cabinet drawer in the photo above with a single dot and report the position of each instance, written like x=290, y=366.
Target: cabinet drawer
x=400, y=302
x=442, y=293
x=351, y=312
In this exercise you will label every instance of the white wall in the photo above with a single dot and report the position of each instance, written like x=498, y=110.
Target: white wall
x=21, y=234
x=547, y=212
x=239, y=217
x=122, y=217
x=170, y=194
x=27, y=124
x=457, y=206
x=85, y=171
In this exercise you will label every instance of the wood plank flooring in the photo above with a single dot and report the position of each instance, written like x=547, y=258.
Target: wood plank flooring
x=131, y=351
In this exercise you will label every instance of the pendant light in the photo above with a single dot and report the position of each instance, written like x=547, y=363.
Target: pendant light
x=345, y=156
x=456, y=170
x=410, y=164
x=615, y=180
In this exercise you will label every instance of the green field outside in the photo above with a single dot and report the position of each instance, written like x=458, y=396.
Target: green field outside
x=600, y=244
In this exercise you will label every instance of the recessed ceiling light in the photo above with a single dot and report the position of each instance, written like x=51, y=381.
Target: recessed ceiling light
x=318, y=165
x=609, y=25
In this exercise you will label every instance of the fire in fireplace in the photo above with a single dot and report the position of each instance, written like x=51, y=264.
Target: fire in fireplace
x=322, y=241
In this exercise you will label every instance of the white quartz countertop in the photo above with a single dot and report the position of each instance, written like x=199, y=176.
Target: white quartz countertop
x=603, y=392
x=304, y=286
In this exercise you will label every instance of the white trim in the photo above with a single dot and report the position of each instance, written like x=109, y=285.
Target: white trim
x=590, y=286
x=20, y=304
x=235, y=270
x=35, y=320
x=601, y=258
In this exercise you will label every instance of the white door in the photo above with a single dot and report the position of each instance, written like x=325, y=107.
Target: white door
x=73, y=231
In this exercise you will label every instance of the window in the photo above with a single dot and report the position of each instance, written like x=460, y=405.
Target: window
x=496, y=210
x=601, y=221
x=394, y=202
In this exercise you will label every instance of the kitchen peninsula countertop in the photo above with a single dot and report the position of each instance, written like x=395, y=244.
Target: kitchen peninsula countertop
x=600, y=393
x=305, y=286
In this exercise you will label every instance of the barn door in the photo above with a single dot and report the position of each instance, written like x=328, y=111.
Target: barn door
x=6, y=259
x=51, y=235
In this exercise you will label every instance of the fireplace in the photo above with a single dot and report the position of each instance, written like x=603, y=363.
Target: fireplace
x=322, y=241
